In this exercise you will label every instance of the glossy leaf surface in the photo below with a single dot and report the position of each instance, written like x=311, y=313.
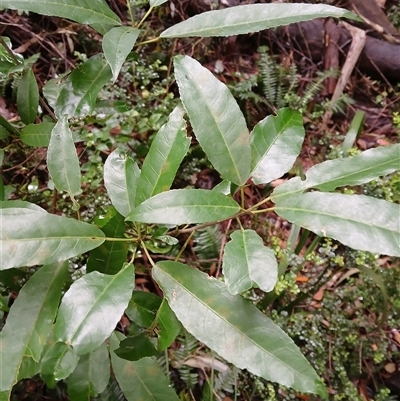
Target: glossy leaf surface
x=37, y=135
x=91, y=375
x=83, y=11
x=28, y=97
x=117, y=44
x=251, y=18
x=167, y=150
x=185, y=206
x=25, y=332
x=275, y=144
x=141, y=380
x=234, y=328
x=354, y=170
x=110, y=256
x=121, y=175
x=78, y=95
x=248, y=262
x=33, y=237
x=358, y=221
x=62, y=159
x=91, y=309
x=216, y=118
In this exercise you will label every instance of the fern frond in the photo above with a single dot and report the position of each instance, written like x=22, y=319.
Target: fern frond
x=112, y=392
x=269, y=75
x=208, y=242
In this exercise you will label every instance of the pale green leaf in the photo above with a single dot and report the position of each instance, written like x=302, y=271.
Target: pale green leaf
x=117, y=44
x=83, y=11
x=62, y=159
x=156, y=3
x=185, y=206
x=121, y=175
x=354, y=170
x=37, y=135
x=358, y=221
x=234, y=328
x=275, y=144
x=251, y=18
x=33, y=237
x=141, y=380
x=248, y=262
x=216, y=118
x=28, y=324
x=92, y=307
x=167, y=150
x=91, y=376
x=78, y=95
x=28, y=97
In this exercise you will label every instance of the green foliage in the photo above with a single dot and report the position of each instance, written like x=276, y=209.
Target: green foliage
x=67, y=339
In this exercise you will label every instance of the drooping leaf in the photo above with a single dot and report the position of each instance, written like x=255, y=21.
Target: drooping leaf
x=136, y=347
x=358, y=221
x=110, y=256
x=354, y=170
x=58, y=363
x=140, y=380
x=167, y=150
x=250, y=340
x=156, y=3
x=28, y=97
x=78, y=95
x=275, y=144
x=216, y=118
x=121, y=174
x=33, y=237
x=83, y=11
x=91, y=309
x=185, y=206
x=91, y=376
x=143, y=307
x=251, y=18
x=168, y=325
x=62, y=159
x=37, y=135
x=117, y=44
x=247, y=261
x=27, y=327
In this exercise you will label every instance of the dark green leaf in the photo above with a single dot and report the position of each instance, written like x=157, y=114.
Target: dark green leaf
x=169, y=326
x=185, y=206
x=251, y=18
x=10, y=128
x=275, y=144
x=91, y=309
x=216, y=118
x=136, y=347
x=28, y=324
x=37, y=135
x=167, y=150
x=79, y=93
x=234, y=328
x=28, y=97
x=358, y=221
x=143, y=307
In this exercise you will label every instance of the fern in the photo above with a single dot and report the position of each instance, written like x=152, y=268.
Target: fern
x=226, y=381
x=208, y=242
x=112, y=392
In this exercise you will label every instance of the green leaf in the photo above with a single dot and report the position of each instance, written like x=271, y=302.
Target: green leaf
x=355, y=170
x=247, y=261
x=121, y=175
x=91, y=376
x=62, y=160
x=10, y=128
x=143, y=307
x=3, y=304
x=28, y=324
x=79, y=93
x=117, y=44
x=91, y=309
x=156, y=3
x=355, y=129
x=21, y=204
x=82, y=11
x=251, y=18
x=37, y=135
x=28, y=97
x=110, y=256
x=52, y=88
x=136, y=347
x=234, y=328
x=185, y=206
x=58, y=363
x=3, y=132
x=216, y=118
x=275, y=144
x=32, y=237
x=141, y=380
x=166, y=153
x=169, y=326
x=358, y=221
